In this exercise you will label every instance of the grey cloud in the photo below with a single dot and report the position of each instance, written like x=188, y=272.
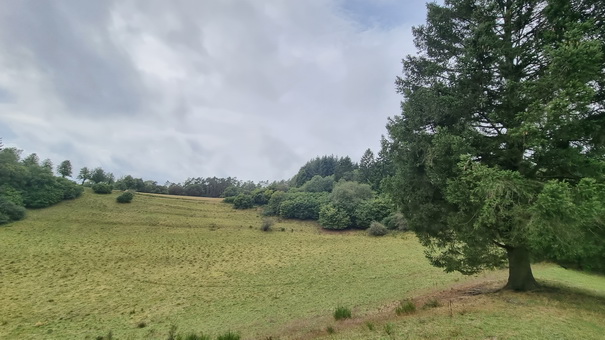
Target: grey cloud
x=69, y=44
x=176, y=89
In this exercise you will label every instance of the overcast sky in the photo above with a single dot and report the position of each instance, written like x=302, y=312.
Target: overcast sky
x=167, y=90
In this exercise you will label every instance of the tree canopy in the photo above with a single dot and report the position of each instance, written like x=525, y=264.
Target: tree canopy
x=500, y=148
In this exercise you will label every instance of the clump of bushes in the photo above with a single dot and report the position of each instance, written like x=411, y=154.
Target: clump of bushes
x=405, y=307
x=302, y=205
x=102, y=188
x=243, y=201
x=377, y=229
x=10, y=211
x=125, y=197
x=395, y=221
x=342, y=312
x=331, y=217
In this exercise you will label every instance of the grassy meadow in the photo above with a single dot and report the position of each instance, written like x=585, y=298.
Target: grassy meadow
x=86, y=267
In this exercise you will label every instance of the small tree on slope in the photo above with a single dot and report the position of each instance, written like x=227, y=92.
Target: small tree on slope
x=500, y=147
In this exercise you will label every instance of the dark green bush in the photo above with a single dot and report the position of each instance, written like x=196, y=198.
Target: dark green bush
x=125, y=197
x=272, y=207
x=41, y=190
x=319, y=184
x=342, y=313
x=302, y=205
x=333, y=218
x=229, y=199
x=377, y=229
x=375, y=209
x=11, y=194
x=71, y=190
x=10, y=210
x=102, y=188
x=261, y=196
x=395, y=221
x=243, y=201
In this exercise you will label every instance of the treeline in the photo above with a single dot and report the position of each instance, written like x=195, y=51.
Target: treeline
x=195, y=186
x=29, y=183
x=333, y=190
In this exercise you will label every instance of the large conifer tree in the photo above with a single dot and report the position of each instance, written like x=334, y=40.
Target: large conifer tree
x=500, y=147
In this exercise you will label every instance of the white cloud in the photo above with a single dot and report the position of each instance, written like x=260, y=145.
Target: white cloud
x=170, y=90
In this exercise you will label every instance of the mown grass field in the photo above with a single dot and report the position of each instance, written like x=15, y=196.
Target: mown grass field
x=86, y=267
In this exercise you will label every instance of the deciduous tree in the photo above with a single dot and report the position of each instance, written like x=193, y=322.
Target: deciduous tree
x=64, y=169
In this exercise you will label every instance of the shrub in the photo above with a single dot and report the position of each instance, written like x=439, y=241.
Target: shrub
x=261, y=196
x=377, y=229
x=102, y=188
x=347, y=195
x=243, y=201
x=333, y=218
x=375, y=209
x=10, y=211
x=267, y=224
x=229, y=336
x=342, y=313
x=272, y=208
x=229, y=199
x=70, y=189
x=41, y=190
x=11, y=194
x=330, y=330
x=395, y=221
x=319, y=184
x=302, y=205
x=405, y=307
x=125, y=197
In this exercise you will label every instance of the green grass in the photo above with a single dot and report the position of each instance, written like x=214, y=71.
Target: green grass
x=86, y=267
x=569, y=305
x=94, y=268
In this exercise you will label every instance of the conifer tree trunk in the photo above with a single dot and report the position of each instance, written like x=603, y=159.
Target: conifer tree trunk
x=520, y=276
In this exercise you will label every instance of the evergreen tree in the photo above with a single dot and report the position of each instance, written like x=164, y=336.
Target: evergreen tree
x=366, y=167
x=500, y=148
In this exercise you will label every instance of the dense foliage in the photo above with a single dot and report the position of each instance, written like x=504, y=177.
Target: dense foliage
x=339, y=167
x=28, y=183
x=243, y=201
x=500, y=148
x=102, y=188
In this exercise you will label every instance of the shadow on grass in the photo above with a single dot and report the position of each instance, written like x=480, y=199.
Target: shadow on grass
x=569, y=297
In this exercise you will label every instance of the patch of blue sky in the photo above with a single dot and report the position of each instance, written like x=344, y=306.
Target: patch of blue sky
x=384, y=14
